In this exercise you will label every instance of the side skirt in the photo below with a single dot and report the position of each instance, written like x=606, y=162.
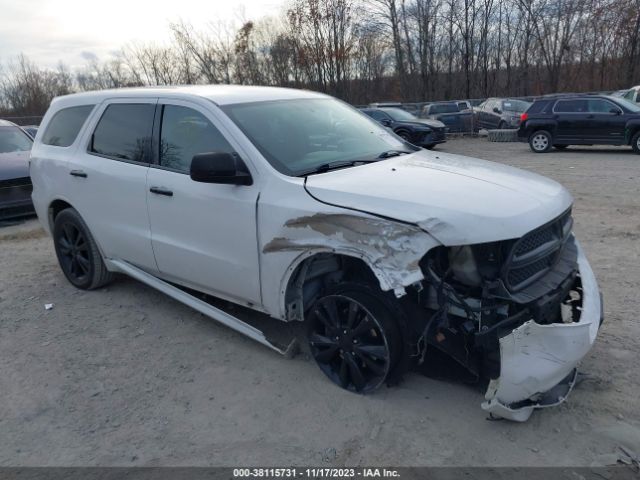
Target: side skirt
x=197, y=304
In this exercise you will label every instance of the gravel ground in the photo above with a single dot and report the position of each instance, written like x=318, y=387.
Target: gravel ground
x=126, y=376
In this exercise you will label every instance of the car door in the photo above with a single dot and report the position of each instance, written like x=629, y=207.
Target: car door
x=572, y=116
x=108, y=177
x=203, y=234
x=607, y=121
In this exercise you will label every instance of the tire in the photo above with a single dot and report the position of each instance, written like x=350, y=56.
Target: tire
x=430, y=147
x=78, y=253
x=540, y=141
x=353, y=337
x=406, y=136
x=502, y=125
x=560, y=147
x=635, y=143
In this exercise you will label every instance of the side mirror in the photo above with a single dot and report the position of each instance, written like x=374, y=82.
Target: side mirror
x=385, y=122
x=615, y=111
x=225, y=168
x=496, y=110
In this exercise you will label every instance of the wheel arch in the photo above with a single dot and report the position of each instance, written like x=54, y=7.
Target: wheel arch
x=55, y=207
x=313, y=271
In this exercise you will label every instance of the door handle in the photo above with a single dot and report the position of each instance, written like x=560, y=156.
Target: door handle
x=161, y=191
x=78, y=173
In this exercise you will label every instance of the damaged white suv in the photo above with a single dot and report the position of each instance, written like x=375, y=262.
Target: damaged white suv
x=298, y=206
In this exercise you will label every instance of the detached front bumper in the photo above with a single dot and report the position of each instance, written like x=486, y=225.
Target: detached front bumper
x=538, y=362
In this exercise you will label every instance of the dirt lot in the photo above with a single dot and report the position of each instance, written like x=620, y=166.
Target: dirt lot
x=127, y=376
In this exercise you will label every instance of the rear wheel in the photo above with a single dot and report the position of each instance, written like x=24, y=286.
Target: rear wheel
x=635, y=143
x=77, y=252
x=353, y=337
x=540, y=141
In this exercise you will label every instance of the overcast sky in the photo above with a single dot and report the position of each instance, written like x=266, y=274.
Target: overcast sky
x=50, y=31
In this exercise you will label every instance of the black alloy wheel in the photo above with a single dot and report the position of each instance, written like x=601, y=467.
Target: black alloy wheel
x=74, y=253
x=353, y=339
x=77, y=252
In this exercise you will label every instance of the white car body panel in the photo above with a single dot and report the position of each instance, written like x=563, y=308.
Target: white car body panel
x=244, y=243
x=490, y=201
x=205, y=234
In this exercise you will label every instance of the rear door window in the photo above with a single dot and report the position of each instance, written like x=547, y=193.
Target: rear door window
x=571, y=106
x=65, y=126
x=124, y=132
x=184, y=133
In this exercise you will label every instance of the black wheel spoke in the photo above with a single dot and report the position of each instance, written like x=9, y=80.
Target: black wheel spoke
x=332, y=310
x=343, y=375
x=376, y=368
x=83, y=263
x=356, y=374
x=64, y=245
x=329, y=327
x=362, y=327
x=69, y=233
x=379, y=352
x=353, y=313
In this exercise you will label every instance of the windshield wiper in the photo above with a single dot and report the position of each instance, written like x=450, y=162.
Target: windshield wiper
x=326, y=167
x=392, y=153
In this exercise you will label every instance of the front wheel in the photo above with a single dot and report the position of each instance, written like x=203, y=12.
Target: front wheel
x=635, y=143
x=77, y=252
x=353, y=337
x=540, y=141
x=405, y=136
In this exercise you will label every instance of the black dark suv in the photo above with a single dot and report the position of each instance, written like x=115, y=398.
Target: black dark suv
x=580, y=120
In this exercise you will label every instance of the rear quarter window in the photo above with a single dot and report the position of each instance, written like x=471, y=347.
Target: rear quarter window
x=538, y=106
x=65, y=126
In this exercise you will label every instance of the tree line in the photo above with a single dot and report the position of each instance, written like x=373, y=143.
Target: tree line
x=368, y=50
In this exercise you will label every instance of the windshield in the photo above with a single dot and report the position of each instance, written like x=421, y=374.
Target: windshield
x=515, y=106
x=296, y=136
x=12, y=139
x=444, y=108
x=398, y=114
x=632, y=107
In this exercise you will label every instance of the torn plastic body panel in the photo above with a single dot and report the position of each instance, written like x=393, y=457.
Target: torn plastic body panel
x=535, y=358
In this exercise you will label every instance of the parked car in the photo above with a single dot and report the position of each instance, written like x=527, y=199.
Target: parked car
x=500, y=113
x=633, y=94
x=31, y=130
x=580, y=120
x=450, y=115
x=418, y=131
x=295, y=205
x=15, y=184
x=464, y=105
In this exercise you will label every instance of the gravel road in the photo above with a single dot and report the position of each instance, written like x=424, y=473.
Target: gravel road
x=126, y=376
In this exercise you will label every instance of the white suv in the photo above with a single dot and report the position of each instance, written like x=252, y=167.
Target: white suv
x=298, y=206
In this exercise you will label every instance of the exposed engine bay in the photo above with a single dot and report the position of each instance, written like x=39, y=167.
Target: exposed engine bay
x=477, y=295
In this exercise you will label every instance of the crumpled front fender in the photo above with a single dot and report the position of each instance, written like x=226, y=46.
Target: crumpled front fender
x=534, y=358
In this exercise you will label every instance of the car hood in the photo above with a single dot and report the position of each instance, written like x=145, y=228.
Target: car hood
x=14, y=165
x=423, y=122
x=458, y=200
